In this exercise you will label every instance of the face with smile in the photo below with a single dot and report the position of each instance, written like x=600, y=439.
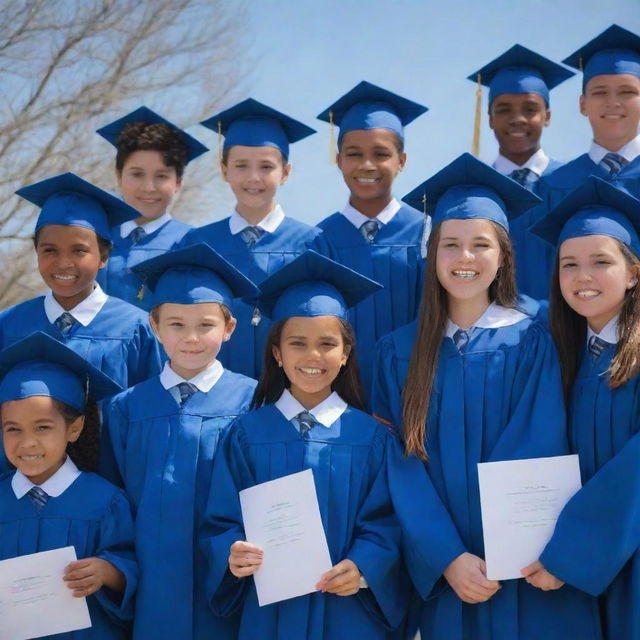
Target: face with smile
x=594, y=278
x=191, y=335
x=254, y=175
x=612, y=104
x=148, y=184
x=467, y=261
x=311, y=351
x=68, y=260
x=517, y=121
x=370, y=161
x=35, y=436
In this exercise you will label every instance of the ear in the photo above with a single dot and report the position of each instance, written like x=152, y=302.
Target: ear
x=178, y=184
x=75, y=429
x=339, y=160
x=491, y=125
x=547, y=117
x=154, y=328
x=402, y=161
x=119, y=179
x=223, y=171
x=230, y=327
x=345, y=354
x=286, y=172
x=275, y=351
x=583, y=110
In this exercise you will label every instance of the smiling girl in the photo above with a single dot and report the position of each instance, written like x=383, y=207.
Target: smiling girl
x=307, y=416
x=595, y=319
x=476, y=379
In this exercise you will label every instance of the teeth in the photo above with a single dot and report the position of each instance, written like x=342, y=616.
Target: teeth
x=310, y=370
x=587, y=293
x=465, y=274
x=60, y=276
x=366, y=180
x=613, y=117
x=30, y=457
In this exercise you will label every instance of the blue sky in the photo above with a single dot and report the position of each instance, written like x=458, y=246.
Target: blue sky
x=304, y=54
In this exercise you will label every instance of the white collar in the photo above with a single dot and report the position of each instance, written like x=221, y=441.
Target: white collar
x=55, y=486
x=494, y=317
x=84, y=312
x=153, y=225
x=357, y=219
x=269, y=223
x=537, y=163
x=326, y=413
x=609, y=332
x=205, y=380
x=629, y=151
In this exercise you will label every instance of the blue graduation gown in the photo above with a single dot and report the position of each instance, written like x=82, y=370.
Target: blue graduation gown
x=394, y=260
x=348, y=461
x=94, y=517
x=165, y=455
x=500, y=400
x=245, y=353
x=596, y=544
x=118, y=280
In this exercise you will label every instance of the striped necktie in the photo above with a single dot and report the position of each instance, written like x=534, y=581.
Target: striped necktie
x=38, y=496
x=461, y=339
x=524, y=177
x=369, y=229
x=305, y=422
x=186, y=390
x=251, y=235
x=64, y=322
x=137, y=235
x=613, y=163
x=597, y=346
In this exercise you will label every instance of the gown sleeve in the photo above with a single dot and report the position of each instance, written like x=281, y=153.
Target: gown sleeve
x=386, y=393
x=145, y=357
x=322, y=245
x=115, y=427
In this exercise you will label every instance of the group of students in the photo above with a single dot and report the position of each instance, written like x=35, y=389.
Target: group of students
x=392, y=350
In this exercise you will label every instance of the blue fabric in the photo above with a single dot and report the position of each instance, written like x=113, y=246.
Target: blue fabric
x=244, y=353
x=349, y=463
x=118, y=280
x=94, y=517
x=164, y=455
x=395, y=261
x=499, y=400
x=596, y=543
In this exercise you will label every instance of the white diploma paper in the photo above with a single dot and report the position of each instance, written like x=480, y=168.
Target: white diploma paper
x=282, y=517
x=521, y=501
x=34, y=599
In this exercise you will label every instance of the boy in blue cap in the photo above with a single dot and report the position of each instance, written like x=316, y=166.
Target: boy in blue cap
x=374, y=234
x=72, y=242
x=151, y=157
x=173, y=422
x=257, y=238
x=519, y=82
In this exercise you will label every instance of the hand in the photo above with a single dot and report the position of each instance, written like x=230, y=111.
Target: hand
x=467, y=575
x=244, y=558
x=343, y=579
x=85, y=577
x=538, y=576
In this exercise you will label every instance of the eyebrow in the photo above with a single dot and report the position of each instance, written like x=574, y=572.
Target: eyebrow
x=591, y=255
x=457, y=238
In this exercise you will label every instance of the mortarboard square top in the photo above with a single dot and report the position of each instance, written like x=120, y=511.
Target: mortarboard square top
x=68, y=200
x=111, y=131
x=312, y=285
x=594, y=208
x=615, y=51
x=253, y=124
x=39, y=365
x=468, y=188
x=194, y=275
x=520, y=70
x=367, y=106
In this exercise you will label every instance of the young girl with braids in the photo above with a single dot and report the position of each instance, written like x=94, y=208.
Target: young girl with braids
x=595, y=320
x=475, y=379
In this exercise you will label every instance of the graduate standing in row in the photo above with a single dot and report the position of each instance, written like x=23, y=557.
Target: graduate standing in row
x=475, y=379
x=308, y=416
x=520, y=82
x=51, y=500
x=375, y=234
x=165, y=434
x=257, y=238
x=150, y=161
x=595, y=318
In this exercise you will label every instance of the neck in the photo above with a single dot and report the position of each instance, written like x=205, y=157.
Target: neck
x=465, y=313
x=187, y=374
x=142, y=220
x=370, y=207
x=613, y=145
x=519, y=158
x=69, y=302
x=309, y=400
x=254, y=216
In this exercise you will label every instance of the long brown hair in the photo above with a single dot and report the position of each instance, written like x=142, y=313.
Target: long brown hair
x=569, y=329
x=273, y=380
x=432, y=321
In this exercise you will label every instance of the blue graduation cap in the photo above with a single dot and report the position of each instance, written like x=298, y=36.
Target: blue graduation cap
x=469, y=188
x=253, y=124
x=594, y=208
x=312, y=285
x=39, y=365
x=69, y=200
x=615, y=51
x=112, y=131
x=520, y=70
x=368, y=106
x=194, y=275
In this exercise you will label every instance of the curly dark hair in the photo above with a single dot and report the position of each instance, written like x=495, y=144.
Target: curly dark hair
x=141, y=136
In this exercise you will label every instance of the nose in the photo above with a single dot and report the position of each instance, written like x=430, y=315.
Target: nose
x=467, y=254
x=148, y=184
x=517, y=117
x=64, y=261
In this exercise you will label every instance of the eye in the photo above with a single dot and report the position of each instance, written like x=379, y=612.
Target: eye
x=603, y=262
x=383, y=154
x=176, y=324
x=44, y=427
x=449, y=245
x=10, y=429
x=568, y=265
x=353, y=154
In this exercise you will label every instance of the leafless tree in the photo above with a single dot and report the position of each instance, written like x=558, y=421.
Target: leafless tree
x=70, y=66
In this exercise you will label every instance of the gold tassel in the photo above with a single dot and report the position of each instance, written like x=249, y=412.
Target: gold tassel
x=475, y=146
x=580, y=64
x=332, y=140
x=141, y=292
x=219, y=142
